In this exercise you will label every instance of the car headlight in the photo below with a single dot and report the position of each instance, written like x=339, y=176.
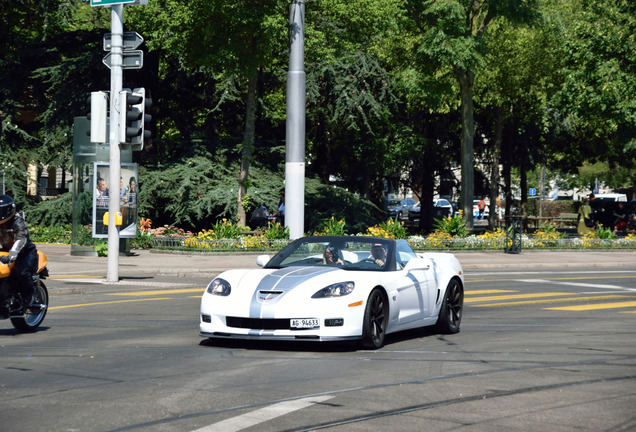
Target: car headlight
x=219, y=287
x=335, y=290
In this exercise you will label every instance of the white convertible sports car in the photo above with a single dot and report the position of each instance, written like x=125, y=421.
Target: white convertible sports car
x=330, y=288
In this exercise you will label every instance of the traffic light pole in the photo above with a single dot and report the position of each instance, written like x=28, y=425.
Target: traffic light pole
x=116, y=79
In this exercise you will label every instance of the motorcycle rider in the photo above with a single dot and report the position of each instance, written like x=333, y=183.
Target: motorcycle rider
x=14, y=238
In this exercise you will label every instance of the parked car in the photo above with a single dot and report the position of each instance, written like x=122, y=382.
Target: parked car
x=446, y=205
x=331, y=288
x=414, y=213
x=611, y=197
x=455, y=205
x=404, y=212
x=399, y=207
x=442, y=208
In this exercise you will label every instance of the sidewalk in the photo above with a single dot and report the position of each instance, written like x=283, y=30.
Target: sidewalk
x=150, y=263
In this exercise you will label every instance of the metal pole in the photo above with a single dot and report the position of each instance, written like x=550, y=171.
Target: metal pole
x=295, y=132
x=116, y=72
x=542, y=192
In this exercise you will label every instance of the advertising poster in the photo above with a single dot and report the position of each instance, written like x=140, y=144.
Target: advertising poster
x=125, y=189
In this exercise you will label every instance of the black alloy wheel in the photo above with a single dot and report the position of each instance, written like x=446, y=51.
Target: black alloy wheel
x=450, y=315
x=376, y=316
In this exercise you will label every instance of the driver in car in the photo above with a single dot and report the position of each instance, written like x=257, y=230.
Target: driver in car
x=378, y=252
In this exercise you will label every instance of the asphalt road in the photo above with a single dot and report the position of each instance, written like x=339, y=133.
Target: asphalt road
x=539, y=350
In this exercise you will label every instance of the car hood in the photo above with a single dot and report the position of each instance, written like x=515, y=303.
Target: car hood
x=288, y=278
x=260, y=293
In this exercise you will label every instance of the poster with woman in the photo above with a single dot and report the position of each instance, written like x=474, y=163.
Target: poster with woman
x=125, y=189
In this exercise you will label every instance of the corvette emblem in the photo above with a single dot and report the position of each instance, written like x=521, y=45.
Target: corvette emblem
x=264, y=296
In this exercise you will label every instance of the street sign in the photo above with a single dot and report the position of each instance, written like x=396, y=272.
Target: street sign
x=131, y=40
x=533, y=191
x=109, y=2
x=131, y=59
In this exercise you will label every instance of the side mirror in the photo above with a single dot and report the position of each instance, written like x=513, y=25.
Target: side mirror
x=261, y=260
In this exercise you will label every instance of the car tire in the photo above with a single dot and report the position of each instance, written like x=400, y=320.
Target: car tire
x=376, y=317
x=450, y=315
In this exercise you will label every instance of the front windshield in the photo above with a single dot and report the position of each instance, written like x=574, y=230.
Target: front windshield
x=348, y=253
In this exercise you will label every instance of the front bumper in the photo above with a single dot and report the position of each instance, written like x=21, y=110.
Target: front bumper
x=278, y=329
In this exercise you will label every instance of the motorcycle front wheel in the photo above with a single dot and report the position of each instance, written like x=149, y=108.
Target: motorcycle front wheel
x=35, y=313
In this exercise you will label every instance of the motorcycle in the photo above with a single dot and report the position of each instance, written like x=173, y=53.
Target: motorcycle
x=24, y=317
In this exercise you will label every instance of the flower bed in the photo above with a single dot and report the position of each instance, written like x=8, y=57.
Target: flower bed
x=193, y=244
x=228, y=237
x=433, y=243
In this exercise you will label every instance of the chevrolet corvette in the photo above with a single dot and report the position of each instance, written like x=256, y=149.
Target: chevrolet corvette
x=333, y=288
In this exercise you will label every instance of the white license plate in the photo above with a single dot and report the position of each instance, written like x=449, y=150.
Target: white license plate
x=304, y=323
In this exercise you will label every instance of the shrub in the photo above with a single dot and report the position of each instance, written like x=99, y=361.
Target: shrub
x=275, y=231
x=141, y=241
x=102, y=249
x=391, y=228
x=51, y=234
x=333, y=227
x=324, y=201
x=454, y=225
x=604, y=233
x=547, y=236
x=169, y=231
x=225, y=229
x=197, y=189
x=439, y=239
x=52, y=212
x=84, y=235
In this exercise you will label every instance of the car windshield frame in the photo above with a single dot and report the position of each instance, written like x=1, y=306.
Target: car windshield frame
x=354, y=252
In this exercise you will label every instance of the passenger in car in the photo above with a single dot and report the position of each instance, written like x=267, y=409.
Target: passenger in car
x=332, y=256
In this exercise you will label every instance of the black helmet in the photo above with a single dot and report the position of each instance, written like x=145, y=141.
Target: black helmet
x=7, y=208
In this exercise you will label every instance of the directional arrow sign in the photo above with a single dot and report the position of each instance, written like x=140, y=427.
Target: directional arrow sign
x=131, y=59
x=131, y=40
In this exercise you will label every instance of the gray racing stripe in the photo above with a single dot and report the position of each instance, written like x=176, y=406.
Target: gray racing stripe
x=281, y=282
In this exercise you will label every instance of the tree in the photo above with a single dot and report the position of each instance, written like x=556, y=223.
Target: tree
x=233, y=41
x=598, y=94
x=513, y=95
x=39, y=69
x=349, y=101
x=453, y=34
x=350, y=92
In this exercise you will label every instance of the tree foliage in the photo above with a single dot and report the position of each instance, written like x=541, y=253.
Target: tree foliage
x=386, y=83
x=599, y=80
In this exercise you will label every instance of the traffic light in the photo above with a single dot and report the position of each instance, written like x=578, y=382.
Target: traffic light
x=145, y=118
x=98, y=117
x=132, y=117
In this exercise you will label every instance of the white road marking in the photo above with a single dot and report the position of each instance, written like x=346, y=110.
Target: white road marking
x=577, y=272
x=125, y=282
x=587, y=285
x=578, y=284
x=262, y=415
